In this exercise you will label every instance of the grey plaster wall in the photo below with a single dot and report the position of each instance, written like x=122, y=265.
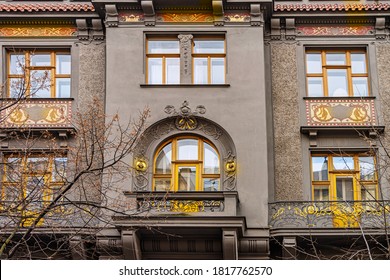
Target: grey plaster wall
x=240, y=108
x=287, y=137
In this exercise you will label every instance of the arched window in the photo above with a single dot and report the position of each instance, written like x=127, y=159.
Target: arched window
x=186, y=164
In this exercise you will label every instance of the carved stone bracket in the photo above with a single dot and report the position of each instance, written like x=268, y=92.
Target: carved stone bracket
x=218, y=12
x=97, y=30
x=290, y=29
x=112, y=18
x=185, y=116
x=256, y=15
x=380, y=28
x=149, y=13
x=185, y=54
x=82, y=29
x=275, y=29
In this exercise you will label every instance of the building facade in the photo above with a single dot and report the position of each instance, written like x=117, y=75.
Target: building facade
x=265, y=136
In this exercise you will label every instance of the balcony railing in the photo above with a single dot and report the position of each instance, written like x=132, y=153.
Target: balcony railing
x=329, y=214
x=194, y=203
x=36, y=113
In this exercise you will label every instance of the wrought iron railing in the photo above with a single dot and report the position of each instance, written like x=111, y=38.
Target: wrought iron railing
x=329, y=214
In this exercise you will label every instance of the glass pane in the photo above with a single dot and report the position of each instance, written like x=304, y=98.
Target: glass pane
x=38, y=164
x=17, y=64
x=200, y=71
x=314, y=87
x=40, y=60
x=13, y=169
x=360, y=86
x=12, y=193
x=163, y=161
x=163, y=47
x=17, y=87
x=367, y=168
x=59, y=169
x=368, y=192
x=187, y=149
x=162, y=184
x=217, y=70
x=34, y=191
x=40, y=84
x=337, y=82
x=216, y=46
x=173, y=70
x=321, y=193
x=320, y=168
x=358, y=63
x=211, y=184
x=344, y=188
x=63, y=63
x=155, y=70
x=343, y=163
x=313, y=63
x=335, y=59
x=211, y=160
x=63, y=87
x=187, y=178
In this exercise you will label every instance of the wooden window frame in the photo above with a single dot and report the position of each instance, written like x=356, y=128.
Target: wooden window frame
x=347, y=66
x=176, y=163
x=27, y=54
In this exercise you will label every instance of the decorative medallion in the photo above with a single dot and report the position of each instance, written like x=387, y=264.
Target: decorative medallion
x=38, y=31
x=185, y=117
x=140, y=164
x=340, y=112
x=335, y=30
x=185, y=17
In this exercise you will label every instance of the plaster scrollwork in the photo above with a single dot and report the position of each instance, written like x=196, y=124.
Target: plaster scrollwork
x=185, y=119
x=230, y=180
x=140, y=166
x=185, y=46
x=210, y=130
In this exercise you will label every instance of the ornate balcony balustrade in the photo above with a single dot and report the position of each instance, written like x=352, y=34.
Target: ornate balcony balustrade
x=329, y=214
x=36, y=113
x=191, y=203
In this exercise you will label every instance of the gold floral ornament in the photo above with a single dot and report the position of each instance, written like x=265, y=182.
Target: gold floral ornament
x=230, y=166
x=186, y=119
x=140, y=165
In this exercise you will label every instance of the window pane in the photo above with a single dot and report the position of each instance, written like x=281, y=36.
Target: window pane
x=360, y=86
x=17, y=87
x=12, y=193
x=164, y=159
x=34, y=192
x=173, y=70
x=59, y=169
x=320, y=168
x=321, y=193
x=313, y=63
x=17, y=64
x=200, y=71
x=187, y=178
x=37, y=165
x=164, y=47
x=211, y=184
x=358, y=63
x=367, y=168
x=13, y=169
x=343, y=163
x=344, y=188
x=201, y=46
x=211, y=160
x=368, y=192
x=187, y=149
x=162, y=184
x=40, y=60
x=155, y=70
x=217, y=70
x=63, y=63
x=40, y=84
x=337, y=82
x=63, y=87
x=335, y=59
x=314, y=87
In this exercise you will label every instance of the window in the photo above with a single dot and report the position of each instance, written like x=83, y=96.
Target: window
x=207, y=55
x=344, y=177
x=186, y=164
x=32, y=180
x=337, y=73
x=39, y=74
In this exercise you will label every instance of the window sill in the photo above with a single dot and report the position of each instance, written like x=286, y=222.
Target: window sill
x=183, y=85
x=37, y=99
x=339, y=97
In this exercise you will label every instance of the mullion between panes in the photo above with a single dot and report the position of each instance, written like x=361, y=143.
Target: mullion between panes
x=324, y=73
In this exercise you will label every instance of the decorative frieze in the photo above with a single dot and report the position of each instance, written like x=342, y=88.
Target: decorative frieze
x=186, y=206
x=340, y=112
x=38, y=31
x=130, y=16
x=360, y=30
x=185, y=17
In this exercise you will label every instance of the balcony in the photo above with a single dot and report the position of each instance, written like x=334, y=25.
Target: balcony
x=36, y=113
x=186, y=203
x=329, y=214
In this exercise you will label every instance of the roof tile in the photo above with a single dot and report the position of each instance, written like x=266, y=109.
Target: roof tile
x=53, y=7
